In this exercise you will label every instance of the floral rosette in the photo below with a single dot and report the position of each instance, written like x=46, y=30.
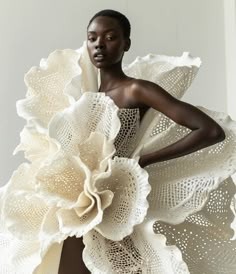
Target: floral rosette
x=78, y=185
x=74, y=185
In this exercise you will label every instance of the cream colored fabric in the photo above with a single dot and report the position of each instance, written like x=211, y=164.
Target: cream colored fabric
x=66, y=192
x=83, y=178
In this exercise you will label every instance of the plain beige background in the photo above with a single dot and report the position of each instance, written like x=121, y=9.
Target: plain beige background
x=31, y=29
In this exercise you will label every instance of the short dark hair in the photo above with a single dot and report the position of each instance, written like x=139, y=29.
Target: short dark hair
x=121, y=18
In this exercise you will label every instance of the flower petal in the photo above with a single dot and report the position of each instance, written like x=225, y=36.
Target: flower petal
x=129, y=183
x=96, y=151
x=93, y=112
x=22, y=179
x=174, y=74
x=21, y=215
x=36, y=146
x=46, y=86
x=87, y=79
x=50, y=231
x=141, y=252
x=62, y=181
x=73, y=225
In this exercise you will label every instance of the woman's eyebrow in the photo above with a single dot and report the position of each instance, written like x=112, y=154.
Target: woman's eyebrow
x=107, y=30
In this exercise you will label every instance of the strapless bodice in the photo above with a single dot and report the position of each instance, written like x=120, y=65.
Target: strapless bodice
x=125, y=140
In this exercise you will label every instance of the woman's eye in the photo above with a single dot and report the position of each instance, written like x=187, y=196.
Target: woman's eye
x=109, y=38
x=91, y=39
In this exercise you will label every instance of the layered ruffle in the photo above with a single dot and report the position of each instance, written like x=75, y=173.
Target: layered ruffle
x=181, y=187
x=132, y=220
x=77, y=187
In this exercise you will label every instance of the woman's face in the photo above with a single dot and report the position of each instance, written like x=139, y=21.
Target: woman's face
x=105, y=42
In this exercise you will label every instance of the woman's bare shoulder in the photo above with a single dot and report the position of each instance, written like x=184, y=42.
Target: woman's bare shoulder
x=138, y=84
x=140, y=88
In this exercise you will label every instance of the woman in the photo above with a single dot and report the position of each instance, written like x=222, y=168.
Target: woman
x=83, y=179
x=108, y=38
x=106, y=44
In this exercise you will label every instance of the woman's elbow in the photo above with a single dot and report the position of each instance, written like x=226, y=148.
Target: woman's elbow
x=216, y=134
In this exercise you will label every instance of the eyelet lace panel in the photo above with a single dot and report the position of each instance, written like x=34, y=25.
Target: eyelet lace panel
x=184, y=191
x=181, y=186
x=142, y=252
x=126, y=139
x=204, y=238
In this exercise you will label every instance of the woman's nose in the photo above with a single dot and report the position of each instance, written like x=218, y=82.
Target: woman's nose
x=100, y=44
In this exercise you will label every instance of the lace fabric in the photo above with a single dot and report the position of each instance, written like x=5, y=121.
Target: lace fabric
x=126, y=139
x=205, y=238
x=83, y=178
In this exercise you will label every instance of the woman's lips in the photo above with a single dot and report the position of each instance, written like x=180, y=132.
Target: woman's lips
x=99, y=56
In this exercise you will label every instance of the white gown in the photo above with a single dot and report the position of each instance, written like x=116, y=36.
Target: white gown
x=82, y=178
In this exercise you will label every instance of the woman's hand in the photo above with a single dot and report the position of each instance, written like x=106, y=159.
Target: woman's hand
x=144, y=161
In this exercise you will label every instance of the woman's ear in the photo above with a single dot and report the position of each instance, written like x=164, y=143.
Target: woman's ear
x=127, y=44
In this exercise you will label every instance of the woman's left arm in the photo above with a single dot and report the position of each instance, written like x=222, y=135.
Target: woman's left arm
x=204, y=130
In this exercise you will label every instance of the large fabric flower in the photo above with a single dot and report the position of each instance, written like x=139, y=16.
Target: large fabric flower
x=75, y=185
x=79, y=186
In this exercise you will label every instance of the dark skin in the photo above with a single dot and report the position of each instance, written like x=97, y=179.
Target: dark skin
x=106, y=46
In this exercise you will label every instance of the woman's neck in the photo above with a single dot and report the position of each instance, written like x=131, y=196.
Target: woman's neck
x=111, y=77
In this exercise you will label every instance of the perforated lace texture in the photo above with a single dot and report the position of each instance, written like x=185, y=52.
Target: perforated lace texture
x=66, y=193
x=174, y=74
x=73, y=127
x=133, y=255
x=126, y=138
x=204, y=238
x=189, y=204
x=196, y=174
x=46, y=86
